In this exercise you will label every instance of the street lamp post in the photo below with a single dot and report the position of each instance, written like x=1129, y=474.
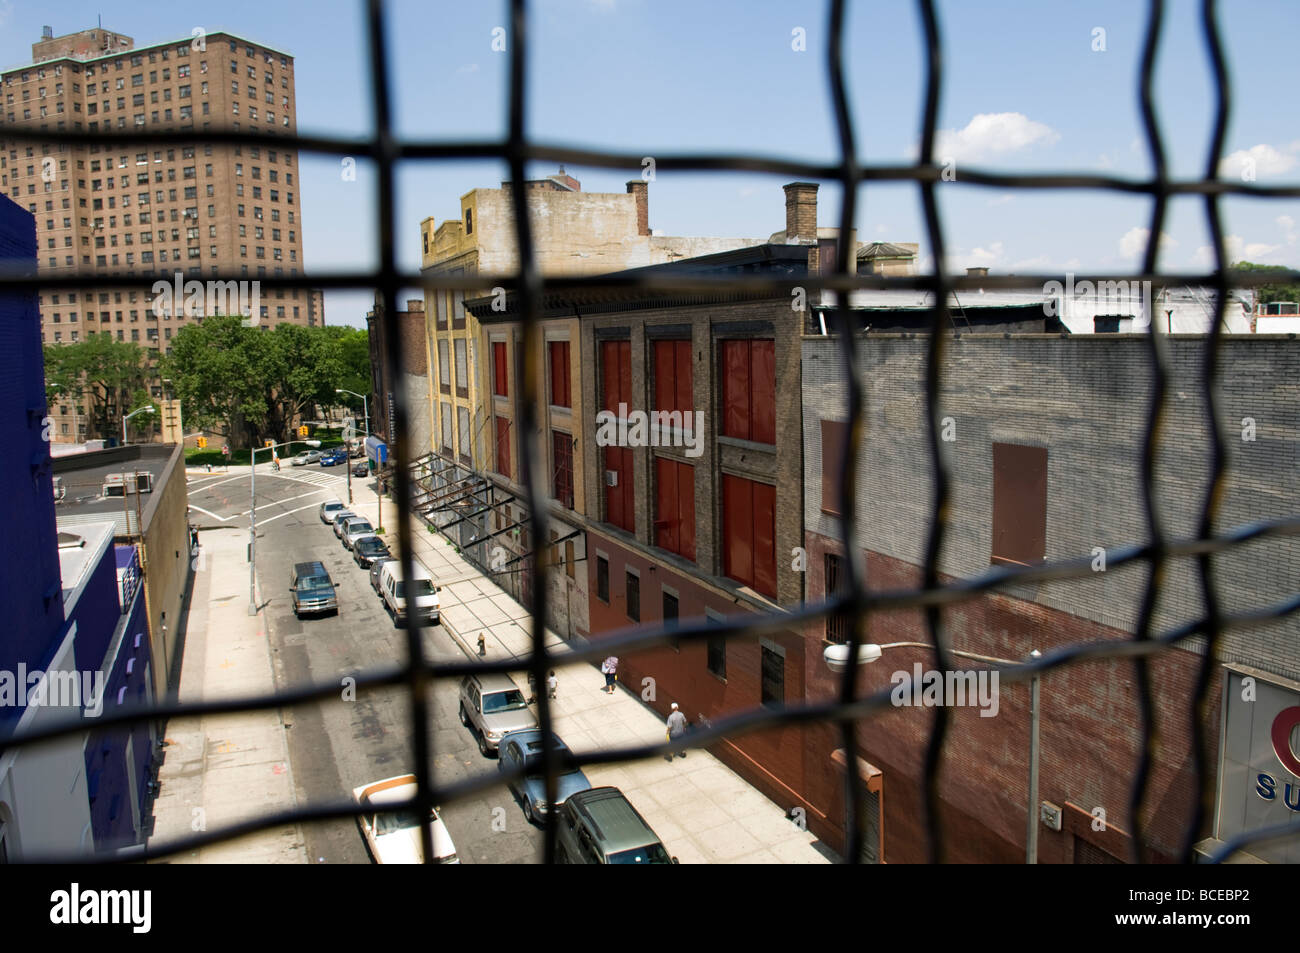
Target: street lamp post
x=142, y=410
x=252, y=517
x=837, y=658
x=379, y=503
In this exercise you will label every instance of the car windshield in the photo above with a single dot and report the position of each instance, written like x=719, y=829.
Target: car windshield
x=512, y=700
x=419, y=587
x=650, y=854
x=359, y=526
x=312, y=583
x=371, y=544
x=401, y=821
x=333, y=507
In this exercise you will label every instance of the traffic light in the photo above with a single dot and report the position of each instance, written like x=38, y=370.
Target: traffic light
x=302, y=431
x=203, y=442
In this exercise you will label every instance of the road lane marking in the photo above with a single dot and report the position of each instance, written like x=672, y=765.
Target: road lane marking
x=288, y=512
x=209, y=513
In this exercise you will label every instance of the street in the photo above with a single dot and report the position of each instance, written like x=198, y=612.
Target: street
x=339, y=745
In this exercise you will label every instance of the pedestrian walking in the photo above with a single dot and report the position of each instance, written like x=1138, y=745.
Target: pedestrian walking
x=552, y=683
x=610, y=668
x=676, y=729
x=482, y=645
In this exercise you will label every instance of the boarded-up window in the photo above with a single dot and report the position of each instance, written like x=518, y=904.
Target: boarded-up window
x=837, y=625
x=561, y=388
x=748, y=375
x=562, y=451
x=675, y=507
x=444, y=367
x=834, y=433
x=633, y=597
x=602, y=579
x=503, y=446
x=616, y=380
x=440, y=310
x=448, y=443
x=749, y=533
x=673, y=376
x=500, y=376
x=1019, y=504
x=462, y=421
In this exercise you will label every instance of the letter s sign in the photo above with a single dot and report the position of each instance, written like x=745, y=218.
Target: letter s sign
x=1283, y=725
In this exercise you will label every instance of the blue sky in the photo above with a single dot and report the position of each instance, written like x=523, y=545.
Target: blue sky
x=1024, y=90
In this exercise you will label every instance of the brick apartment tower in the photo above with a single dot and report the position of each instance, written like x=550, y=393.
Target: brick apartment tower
x=195, y=209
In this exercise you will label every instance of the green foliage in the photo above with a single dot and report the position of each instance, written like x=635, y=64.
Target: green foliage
x=1285, y=290
x=106, y=377
x=249, y=383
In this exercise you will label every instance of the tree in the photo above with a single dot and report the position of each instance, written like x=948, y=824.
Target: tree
x=108, y=377
x=1285, y=290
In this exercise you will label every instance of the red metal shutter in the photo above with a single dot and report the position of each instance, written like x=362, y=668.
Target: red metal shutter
x=765, y=539
x=686, y=510
x=735, y=389
x=561, y=395
x=503, y=446
x=685, y=398
x=609, y=369
x=500, y=384
x=834, y=433
x=738, y=529
x=762, y=390
x=665, y=525
x=665, y=375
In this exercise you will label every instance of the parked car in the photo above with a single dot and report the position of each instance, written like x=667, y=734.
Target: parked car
x=492, y=706
x=341, y=520
x=355, y=530
x=333, y=458
x=361, y=469
x=600, y=826
x=369, y=549
x=312, y=589
x=306, y=457
x=376, y=568
x=397, y=593
x=358, y=449
x=395, y=838
x=331, y=509
x=524, y=749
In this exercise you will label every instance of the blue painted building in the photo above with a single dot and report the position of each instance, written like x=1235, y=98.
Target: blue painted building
x=76, y=641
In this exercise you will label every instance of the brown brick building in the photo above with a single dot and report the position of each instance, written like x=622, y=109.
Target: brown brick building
x=172, y=214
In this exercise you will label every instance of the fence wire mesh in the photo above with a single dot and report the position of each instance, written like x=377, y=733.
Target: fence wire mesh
x=855, y=603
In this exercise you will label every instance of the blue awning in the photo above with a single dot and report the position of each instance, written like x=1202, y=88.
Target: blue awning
x=376, y=450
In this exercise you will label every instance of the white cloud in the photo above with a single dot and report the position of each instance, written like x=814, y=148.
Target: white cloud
x=1236, y=249
x=1287, y=224
x=1134, y=242
x=1000, y=200
x=990, y=134
x=1260, y=160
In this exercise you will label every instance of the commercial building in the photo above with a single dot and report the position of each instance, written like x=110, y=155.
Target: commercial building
x=170, y=215
x=1046, y=433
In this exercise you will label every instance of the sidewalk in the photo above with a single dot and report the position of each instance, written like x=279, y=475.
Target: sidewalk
x=219, y=770
x=704, y=812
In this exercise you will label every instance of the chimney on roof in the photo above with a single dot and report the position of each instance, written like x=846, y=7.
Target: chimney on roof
x=47, y=33
x=640, y=190
x=980, y=272
x=801, y=213
x=415, y=304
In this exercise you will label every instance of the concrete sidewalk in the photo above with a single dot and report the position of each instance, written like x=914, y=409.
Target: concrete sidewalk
x=704, y=812
x=223, y=769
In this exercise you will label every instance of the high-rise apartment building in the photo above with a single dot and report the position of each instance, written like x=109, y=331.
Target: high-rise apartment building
x=193, y=210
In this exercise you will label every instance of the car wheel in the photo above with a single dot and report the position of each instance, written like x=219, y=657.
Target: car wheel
x=483, y=745
x=464, y=719
x=529, y=816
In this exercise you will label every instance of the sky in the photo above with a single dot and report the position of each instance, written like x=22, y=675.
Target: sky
x=1029, y=86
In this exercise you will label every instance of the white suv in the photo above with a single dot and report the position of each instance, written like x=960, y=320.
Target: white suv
x=419, y=592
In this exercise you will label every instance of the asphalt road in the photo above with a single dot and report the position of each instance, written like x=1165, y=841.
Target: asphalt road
x=335, y=746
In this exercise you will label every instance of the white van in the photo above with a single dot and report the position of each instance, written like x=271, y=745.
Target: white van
x=397, y=592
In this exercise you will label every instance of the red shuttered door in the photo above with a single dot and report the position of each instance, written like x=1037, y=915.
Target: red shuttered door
x=762, y=390
x=561, y=390
x=765, y=539
x=673, y=376
x=666, y=535
x=738, y=529
x=735, y=389
x=616, y=370
x=503, y=446
x=500, y=380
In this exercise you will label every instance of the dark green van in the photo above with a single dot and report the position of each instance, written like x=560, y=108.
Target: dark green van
x=312, y=590
x=600, y=826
